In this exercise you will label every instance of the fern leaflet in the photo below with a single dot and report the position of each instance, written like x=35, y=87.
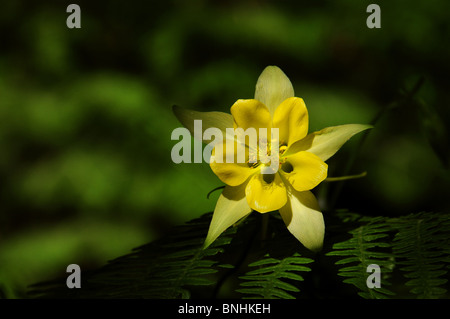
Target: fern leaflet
x=265, y=282
x=420, y=253
x=367, y=246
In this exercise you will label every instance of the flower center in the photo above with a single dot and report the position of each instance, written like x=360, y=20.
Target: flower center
x=267, y=157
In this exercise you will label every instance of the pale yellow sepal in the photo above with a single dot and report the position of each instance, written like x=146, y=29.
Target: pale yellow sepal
x=304, y=220
x=273, y=87
x=325, y=143
x=219, y=120
x=230, y=208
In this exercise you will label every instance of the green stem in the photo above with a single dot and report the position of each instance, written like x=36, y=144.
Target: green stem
x=264, y=226
x=215, y=189
x=344, y=178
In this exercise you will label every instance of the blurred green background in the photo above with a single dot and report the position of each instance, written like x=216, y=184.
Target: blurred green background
x=85, y=114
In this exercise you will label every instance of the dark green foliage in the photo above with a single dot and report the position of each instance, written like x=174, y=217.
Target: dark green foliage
x=369, y=245
x=421, y=246
x=416, y=246
x=158, y=270
x=412, y=252
x=434, y=130
x=265, y=281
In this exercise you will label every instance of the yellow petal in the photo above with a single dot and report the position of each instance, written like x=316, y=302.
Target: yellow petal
x=304, y=220
x=266, y=192
x=219, y=120
x=250, y=114
x=230, y=208
x=304, y=170
x=325, y=143
x=291, y=118
x=273, y=87
x=229, y=162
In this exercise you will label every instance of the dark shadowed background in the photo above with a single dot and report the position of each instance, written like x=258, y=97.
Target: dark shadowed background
x=86, y=120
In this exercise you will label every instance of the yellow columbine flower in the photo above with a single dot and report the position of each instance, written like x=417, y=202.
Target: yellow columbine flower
x=300, y=159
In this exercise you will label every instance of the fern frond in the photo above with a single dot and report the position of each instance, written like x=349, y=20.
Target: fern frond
x=166, y=269
x=265, y=281
x=369, y=245
x=418, y=246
